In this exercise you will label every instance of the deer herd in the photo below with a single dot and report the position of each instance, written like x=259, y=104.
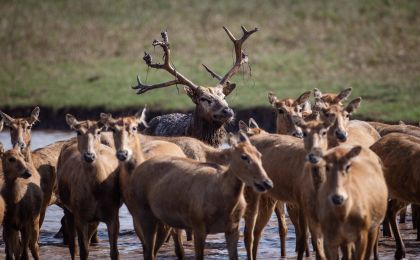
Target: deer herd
x=340, y=179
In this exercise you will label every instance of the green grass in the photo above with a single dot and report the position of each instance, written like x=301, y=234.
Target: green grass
x=88, y=53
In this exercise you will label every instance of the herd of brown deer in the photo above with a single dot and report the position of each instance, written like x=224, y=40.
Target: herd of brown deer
x=340, y=178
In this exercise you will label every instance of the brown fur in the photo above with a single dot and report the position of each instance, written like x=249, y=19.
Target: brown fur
x=400, y=154
x=157, y=181
x=88, y=187
x=346, y=208
x=23, y=197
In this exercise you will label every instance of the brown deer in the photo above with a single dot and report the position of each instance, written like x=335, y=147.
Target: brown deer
x=157, y=181
x=88, y=186
x=131, y=152
x=211, y=112
x=400, y=155
x=44, y=159
x=325, y=100
x=347, y=210
x=23, y=197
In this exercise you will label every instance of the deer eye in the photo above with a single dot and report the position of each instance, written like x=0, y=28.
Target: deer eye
x=244, y=157
x=203, y=99
x=323, y=133
x=78, y=133
x=327, y=168
x=98, y=132
x=280, y=111
x=305, y=134
x=29, y=127
x=348, y=166
x=12, y=159
x=134, y=129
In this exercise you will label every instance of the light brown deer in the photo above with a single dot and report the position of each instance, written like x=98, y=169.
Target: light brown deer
x=88, y=186
x=347, y=210
x=213, y=203
x=131, y=152
x=212, y=112
x=400, y=154
x=23, y=197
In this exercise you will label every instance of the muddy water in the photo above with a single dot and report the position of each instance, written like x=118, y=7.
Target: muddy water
x=130, y=248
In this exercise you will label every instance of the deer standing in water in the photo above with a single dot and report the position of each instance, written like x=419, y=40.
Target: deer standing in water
x=213, y=203
x=88, y=186
x=23, y=197
x=212, y=112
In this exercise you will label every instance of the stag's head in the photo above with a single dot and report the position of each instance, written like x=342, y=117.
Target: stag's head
x=125, y=132
x=210, y=101
x=14, y=164
x=88, y=137
x=20, y=128
x=246, y=164
x=288, y=108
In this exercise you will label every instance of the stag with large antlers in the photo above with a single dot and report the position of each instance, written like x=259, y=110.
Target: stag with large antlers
x=212, y=111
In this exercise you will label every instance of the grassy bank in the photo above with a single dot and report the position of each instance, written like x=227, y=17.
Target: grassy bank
x=88, y=53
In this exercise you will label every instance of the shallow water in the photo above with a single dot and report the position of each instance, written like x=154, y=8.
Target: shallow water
x=130, y=248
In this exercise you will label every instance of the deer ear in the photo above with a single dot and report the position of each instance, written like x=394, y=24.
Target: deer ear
x=343, y=95
x=232, y=140
x=243, y=127
x=401, y=122
x=243, y=137
x=1, y=149
x=34, y=116
x=72, y=121
x=228, y=88
x=297, y=120
x=303, y=98
x=192, y=94
x=272, y=99
x=8, y=120
x=141, y=117
x=355, y=151
x=353, y=105
x=252, y=123
x=1, y=124
x=106, y=118
x=317, y=93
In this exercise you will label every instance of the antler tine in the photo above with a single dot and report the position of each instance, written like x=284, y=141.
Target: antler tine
x=142, y=88
x=212, y=73
x=241, y=57
x=179, y=78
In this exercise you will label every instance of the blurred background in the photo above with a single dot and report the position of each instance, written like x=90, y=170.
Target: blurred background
x=85, y=55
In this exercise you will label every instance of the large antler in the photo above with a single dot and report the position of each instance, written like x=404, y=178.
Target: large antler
x=240, y=58
x=179, y=78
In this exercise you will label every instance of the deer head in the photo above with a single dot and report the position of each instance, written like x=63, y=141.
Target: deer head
x=288, y=108
x=15, y=165
x=323, y=101
x=88, y=137
x=247, y=165
x=251, y=129
x=338, y=169
x=20, y=128
x=124, y=131
x=210, y=101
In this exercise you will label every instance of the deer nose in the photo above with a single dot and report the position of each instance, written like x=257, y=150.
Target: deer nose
x=298, y=134
x=341, y=135
x=21, y=145
x=27, y=174
x=337, y=199
x=313, y=158
x=89, y=157
x=227, y=112
x=268, y=184
x=122, y=155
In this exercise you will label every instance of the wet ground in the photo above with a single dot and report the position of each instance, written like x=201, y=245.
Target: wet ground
x=130, y=248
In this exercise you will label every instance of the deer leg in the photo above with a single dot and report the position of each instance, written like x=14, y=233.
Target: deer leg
x=293, y=211
x=392, y=211
x=361, y=245
x=25, y=233
x=179, y=248
x=189, y=234
x=232, y=238
x=83, y=239
x=281, y=219
x=302, y=237
x=386, y=231
x=317, y=240
x=148, y=228
x=415, y=208
x=403, y=213
x=265, y=211
x=113, y=228
x=199, y=242
x=11, y=241
x=250, y=218
x=93, y=233
x=163, y=234
x=70, y=234
x=331, y=250
x=371, y=242
x=33, y=239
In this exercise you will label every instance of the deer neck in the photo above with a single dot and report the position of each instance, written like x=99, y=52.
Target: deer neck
x=219, y=156
x=232, y=186
x=210, y=132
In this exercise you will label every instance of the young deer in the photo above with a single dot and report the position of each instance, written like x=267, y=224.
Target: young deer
x=400, y=154
x=131, y=152
x=88, y=186
x=212, y=112
x=213, y=203
x=347, y=211
x=23, y=197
